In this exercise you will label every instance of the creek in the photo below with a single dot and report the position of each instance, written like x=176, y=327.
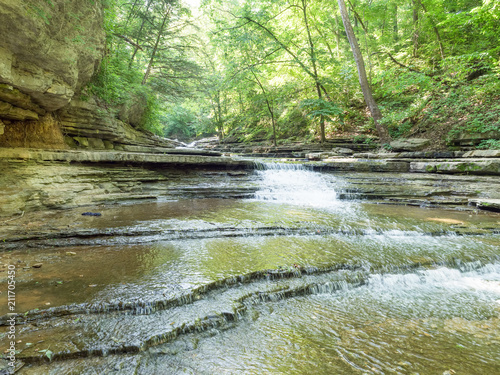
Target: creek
x=302, y=278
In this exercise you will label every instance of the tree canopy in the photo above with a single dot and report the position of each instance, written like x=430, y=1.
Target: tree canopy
x=273, y=71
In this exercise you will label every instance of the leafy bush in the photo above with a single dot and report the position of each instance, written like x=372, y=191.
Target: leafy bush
x=491, y=144
x=116, y=83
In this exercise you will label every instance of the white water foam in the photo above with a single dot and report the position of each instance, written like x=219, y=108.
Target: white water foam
x=294, y=184
x=482, y=279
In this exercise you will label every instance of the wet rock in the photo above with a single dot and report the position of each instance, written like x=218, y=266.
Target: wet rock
x=91, y=214
x=431, y=154
x=486, y=204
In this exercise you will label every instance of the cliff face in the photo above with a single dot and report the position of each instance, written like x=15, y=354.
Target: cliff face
x=48, y=51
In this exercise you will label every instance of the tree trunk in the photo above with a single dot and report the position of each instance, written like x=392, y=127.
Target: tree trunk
x=363, y=81
x=338, y=36
x=415, y=28
x=395, y=24
x=155, y=49
x=218, y=115
x=269, y=106
x=139, y=36
x=434, y=27
x=314, y=66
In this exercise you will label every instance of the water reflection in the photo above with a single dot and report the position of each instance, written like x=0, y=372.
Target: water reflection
x=369, y=289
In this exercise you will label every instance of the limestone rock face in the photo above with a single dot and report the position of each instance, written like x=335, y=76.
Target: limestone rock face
x=48, y=51
x=88, y=126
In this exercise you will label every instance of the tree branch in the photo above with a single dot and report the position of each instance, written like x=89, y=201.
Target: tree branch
x=129, y=41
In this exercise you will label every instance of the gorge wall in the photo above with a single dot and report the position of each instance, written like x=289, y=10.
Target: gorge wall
x=49, y=51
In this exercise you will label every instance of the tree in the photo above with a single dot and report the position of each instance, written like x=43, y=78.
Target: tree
x=382, y=130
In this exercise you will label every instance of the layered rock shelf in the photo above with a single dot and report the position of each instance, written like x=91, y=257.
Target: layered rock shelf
x=168, y=156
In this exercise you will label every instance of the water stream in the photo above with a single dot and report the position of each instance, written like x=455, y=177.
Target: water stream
x=297, y=280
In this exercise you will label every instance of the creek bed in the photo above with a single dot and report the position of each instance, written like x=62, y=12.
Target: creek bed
x=297, y=280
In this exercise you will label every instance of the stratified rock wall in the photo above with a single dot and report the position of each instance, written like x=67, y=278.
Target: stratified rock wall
x=49, y=50
x=85, y=125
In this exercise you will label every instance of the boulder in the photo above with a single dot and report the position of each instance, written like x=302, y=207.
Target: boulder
x=133, y=110
x=343, y=151
x=410, y=144
x=314, y=156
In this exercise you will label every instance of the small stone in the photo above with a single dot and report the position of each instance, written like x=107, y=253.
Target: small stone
x=37, y=265
x=70, y=253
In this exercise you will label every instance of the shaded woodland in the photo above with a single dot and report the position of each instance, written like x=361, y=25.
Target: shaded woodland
x=303, y=70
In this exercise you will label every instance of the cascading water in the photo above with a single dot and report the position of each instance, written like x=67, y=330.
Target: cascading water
x=293, y=281
x=295, y=184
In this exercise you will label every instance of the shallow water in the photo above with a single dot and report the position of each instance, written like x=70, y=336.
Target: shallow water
x=293, y=281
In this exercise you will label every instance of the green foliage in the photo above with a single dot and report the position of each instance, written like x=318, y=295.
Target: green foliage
x=116, y=81
x=254, y=60
x=293, y=124
x=402, y=96
x=48, y=353
x=180, y=123
x=491, y=144
x=363, y=139
x=319, y=108
x=467, y=67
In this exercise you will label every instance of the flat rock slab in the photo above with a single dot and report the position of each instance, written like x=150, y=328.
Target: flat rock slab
x=418, y=155
x=482, y=154
x=486, y=204
x=473, y=167
x=177, y=157
x=411, y=144
x=365, y=165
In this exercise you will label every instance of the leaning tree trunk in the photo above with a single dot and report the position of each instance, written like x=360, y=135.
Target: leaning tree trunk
x=315, y=68
x=363, y=81
x=155, y=49
x=415, y=36
x=269, y=106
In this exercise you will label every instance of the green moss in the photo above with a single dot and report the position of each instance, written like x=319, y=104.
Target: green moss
x=468, y=167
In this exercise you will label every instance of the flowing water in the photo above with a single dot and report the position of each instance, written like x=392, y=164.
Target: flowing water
x=293, y=281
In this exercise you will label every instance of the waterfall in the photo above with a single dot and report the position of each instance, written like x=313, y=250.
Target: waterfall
x=295, y=184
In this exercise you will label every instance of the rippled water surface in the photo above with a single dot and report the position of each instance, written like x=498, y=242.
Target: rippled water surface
x=293, y=281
